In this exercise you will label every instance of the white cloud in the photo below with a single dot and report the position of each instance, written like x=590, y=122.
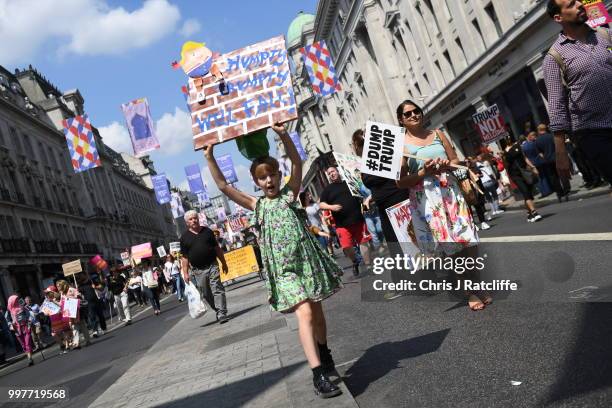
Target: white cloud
x=117, y=137
x=190, y=27
x=184, y=185
x=84, y=27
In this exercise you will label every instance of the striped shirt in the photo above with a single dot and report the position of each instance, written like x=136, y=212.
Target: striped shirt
x=588, y=104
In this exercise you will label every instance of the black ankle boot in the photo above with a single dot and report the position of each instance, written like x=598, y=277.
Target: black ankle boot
x=324, y=388
x=327, y=362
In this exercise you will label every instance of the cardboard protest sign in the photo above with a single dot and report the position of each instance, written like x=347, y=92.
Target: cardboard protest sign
x=160, y=186
x=400, y=217
x=240, y=262
x=255, y=92
x=490, y=125
x=383, y=149
x=597, y=12
x=236, y=223
x=175, y=247
x=226, y=165
x=202, y=218
x=71, y=268
x=142, y=251
x=140, y=126
x=71, y=308
x=99, y=263
x=49, y=308
x=349, y=168
x=81, y=143
x=161, y=251
x=125, y=258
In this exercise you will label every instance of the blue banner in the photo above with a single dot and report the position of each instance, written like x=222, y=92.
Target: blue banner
x=295, y=138
x=160, y=185
x=227, y=168
x=194, y=178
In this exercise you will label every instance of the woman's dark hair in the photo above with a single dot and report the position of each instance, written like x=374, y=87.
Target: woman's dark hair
x=270, y=161
x=552, y=8
x=400, y=110
x=358, y=139
x=505, y=142
x=302, y=197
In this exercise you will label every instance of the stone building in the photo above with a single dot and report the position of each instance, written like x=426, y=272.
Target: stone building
x=452, y=57
x=48, y=214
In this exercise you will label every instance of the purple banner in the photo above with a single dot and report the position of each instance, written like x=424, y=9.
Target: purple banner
x=194, y=178
x=295, y=138
x=227, y=168
x=160, y=185
x=140, y=125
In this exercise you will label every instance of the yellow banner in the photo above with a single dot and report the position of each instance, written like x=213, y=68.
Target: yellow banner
x=240, y=262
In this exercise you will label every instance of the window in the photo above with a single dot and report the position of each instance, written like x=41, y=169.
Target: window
x=450, y=63
x=431, y=10
x=490, y=9
x=7, y=227
x=460, y=45
x=477, y=27
x=28, y=144
x=16, y=140
x=418, y=9
x=43, y=154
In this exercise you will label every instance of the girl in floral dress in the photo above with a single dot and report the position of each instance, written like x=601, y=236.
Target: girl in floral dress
x=300, y=273
x=441, y=219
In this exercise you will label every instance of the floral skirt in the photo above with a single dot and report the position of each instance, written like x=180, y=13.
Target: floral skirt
x=441, y=220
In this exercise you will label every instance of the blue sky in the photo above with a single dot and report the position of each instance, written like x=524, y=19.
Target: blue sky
x=116, y=51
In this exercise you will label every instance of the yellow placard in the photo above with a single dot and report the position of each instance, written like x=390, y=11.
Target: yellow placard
x=71, y=268
x=240, y=262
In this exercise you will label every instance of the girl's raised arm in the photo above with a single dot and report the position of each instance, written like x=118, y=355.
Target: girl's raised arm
x=243, y=199
x=295, y=181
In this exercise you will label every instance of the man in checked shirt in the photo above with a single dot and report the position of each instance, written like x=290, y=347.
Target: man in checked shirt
x=578, y=77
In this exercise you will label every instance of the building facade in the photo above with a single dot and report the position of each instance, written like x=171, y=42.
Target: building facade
x=48, y=214
x=452, y=57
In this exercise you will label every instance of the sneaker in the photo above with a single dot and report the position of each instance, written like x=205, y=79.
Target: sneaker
x=100, y=332
x=484, y=226
x=499, y=211
x=324, y=388
x=128, y=322
x=488, y=217
x=94, y=334
x=355, y=269
x=222, y=319
x=536, y=216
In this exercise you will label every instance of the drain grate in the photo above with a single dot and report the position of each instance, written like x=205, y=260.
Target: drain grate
x=246, y=334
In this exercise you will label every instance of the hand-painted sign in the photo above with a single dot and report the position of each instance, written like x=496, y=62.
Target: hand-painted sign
x=349, y=168
x=597, y=12
x=81, y=143
x=401, y=220
x=256, y=93
x=227, y=168
x=140, y=125
x=71, y=268
x=160, y=186
x=383, y=150
x=490, y=125
x=240, y=262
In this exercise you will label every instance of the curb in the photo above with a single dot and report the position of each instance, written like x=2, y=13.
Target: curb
x=543, y=202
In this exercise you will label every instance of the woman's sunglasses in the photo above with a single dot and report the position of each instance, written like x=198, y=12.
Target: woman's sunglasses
x=411, y=113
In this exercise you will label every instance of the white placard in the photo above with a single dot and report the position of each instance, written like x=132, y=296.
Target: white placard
x=382, y=150
x=400, y=217
x=71, y=308
x=161, y=251
x=349, y=167
x=175, y=247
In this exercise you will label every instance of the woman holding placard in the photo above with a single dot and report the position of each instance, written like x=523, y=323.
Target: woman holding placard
x=441, y=218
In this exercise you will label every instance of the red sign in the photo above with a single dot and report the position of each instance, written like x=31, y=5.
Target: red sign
x=490, y=125
x=597, y=13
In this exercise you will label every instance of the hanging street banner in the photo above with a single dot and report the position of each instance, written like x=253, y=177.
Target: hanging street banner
x=227, y=168
x=81, y=143
x=383, y=150
x=194, y=178
x=490, y=125
x=320, y=67
x=254, y=93
x=349, y=168
x=140, y=125
x=142, y=251
x=597, y=12
x=160, y=186
x=176, y=205
x=295, y=138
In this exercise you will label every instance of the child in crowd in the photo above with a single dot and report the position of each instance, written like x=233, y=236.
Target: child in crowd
x=300, y=273
x=60, y=326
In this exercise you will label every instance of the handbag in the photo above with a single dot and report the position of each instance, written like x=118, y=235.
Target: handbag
x=528, y=175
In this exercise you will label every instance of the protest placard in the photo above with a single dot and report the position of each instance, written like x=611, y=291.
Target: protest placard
x=240, y=262
x=160, y=186
x=194, y=178
x=161, y=251
x=490, y=125
x=71, y=308
x=142, y=251
x=257, y=93
x=202, y=218
x=226, y=165
x=140, y=126
x=400, y=218
x=295, y=138
x=382, y=150
x=176, y=205
x=49, y=308
x=597, y=12
x=70, y=268
x=175, y=247
x=235, y=223
x=125, y=258
x=349, y=168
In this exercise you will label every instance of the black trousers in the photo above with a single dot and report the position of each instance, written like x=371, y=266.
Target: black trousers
x=549, y=172
x=597, y=147
x=95, y=314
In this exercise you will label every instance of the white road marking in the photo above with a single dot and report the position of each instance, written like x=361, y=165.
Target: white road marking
x=596, y=236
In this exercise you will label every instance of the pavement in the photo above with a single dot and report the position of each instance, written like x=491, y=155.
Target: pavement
x=253, y=360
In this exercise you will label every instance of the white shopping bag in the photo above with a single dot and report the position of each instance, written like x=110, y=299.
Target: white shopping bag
x=197, y=308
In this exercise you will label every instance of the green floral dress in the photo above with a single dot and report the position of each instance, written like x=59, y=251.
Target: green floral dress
x=297, y=267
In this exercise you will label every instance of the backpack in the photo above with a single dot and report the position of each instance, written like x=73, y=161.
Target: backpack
x=559, y=59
